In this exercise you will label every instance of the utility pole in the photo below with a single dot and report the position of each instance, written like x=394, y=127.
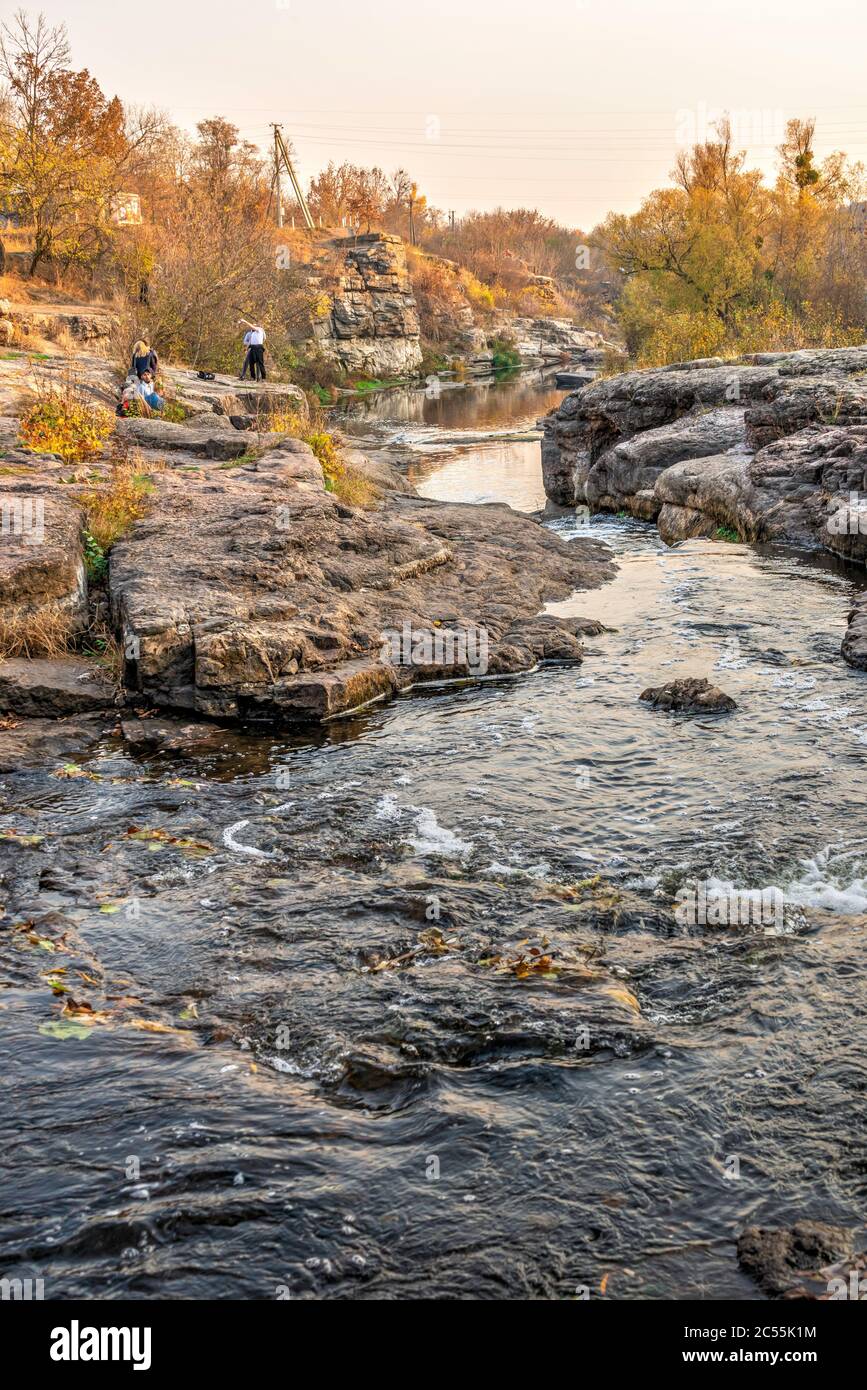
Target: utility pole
x=281, y=152
x=277, y=175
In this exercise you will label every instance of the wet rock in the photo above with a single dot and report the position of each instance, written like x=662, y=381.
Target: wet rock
x=32, y=742
x=167, y=736
x=690, y=696
x=52, y=688
x=776, y=1257
x=855, y=642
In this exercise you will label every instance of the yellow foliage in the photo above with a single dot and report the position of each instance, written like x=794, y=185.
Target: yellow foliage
x=62, y=422
x=111, y=510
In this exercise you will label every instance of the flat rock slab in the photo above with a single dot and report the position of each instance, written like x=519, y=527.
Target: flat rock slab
x=33, y=742
x=250, y=592
x=52, y=688
x=212, y=441
x=689, y=697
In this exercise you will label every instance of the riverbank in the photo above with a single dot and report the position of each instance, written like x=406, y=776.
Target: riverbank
x=771, y=447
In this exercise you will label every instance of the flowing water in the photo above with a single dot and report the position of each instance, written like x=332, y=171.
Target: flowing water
x=323, y=1063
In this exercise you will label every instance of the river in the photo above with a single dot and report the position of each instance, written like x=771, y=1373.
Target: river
x=327, y=1064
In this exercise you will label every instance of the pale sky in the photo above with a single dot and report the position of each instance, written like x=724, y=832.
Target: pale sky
x=572, y=106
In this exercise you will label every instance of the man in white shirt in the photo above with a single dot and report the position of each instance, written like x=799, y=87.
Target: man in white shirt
x=257, y=353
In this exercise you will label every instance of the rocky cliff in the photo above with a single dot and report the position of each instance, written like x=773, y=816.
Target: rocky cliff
x=372, y=323
x=772, y=447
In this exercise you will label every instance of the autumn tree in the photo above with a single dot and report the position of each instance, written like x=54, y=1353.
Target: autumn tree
x=719, y=262
x=63, y=144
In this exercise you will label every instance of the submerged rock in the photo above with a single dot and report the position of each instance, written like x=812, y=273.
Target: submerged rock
x=690, y=696
x=776, y=1257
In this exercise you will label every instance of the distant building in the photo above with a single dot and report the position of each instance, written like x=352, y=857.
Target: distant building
x=126, y=209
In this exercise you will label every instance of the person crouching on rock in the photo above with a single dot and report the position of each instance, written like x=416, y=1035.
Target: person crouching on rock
x=144, y=359
x=148, y=393
x=257, y=353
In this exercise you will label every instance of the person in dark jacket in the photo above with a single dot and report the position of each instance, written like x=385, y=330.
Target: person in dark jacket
x=144, y=359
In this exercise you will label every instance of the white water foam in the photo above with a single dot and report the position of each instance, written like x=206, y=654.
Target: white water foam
x=832, y=880
x=430, y=837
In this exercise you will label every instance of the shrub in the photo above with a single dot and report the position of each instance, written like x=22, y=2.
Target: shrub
x=109, y=513
x=506, y=355
x=61, y=421
x=137, y=408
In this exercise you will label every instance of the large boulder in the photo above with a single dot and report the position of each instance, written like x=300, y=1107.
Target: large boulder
x=779, y=393
x=626, y=473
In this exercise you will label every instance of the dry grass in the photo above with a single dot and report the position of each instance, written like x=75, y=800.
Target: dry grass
x=100, y=646
x=41, y=632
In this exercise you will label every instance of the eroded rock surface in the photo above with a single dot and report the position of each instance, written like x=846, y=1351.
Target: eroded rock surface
x=372, y=325
x=251, y=592
x=41, y=556
x=52, y=688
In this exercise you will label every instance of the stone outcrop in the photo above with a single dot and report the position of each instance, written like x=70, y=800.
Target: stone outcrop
x=253, y=593
x=772, y=448
x=690, y=696
x=91, y=329
x=229, y=398
x=372, y=325
x=541, y=340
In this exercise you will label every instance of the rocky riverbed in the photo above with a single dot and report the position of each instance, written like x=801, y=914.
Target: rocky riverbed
x=405, y=1003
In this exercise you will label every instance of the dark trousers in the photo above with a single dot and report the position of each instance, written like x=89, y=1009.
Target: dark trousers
x=257, y=361
x=246, y=363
